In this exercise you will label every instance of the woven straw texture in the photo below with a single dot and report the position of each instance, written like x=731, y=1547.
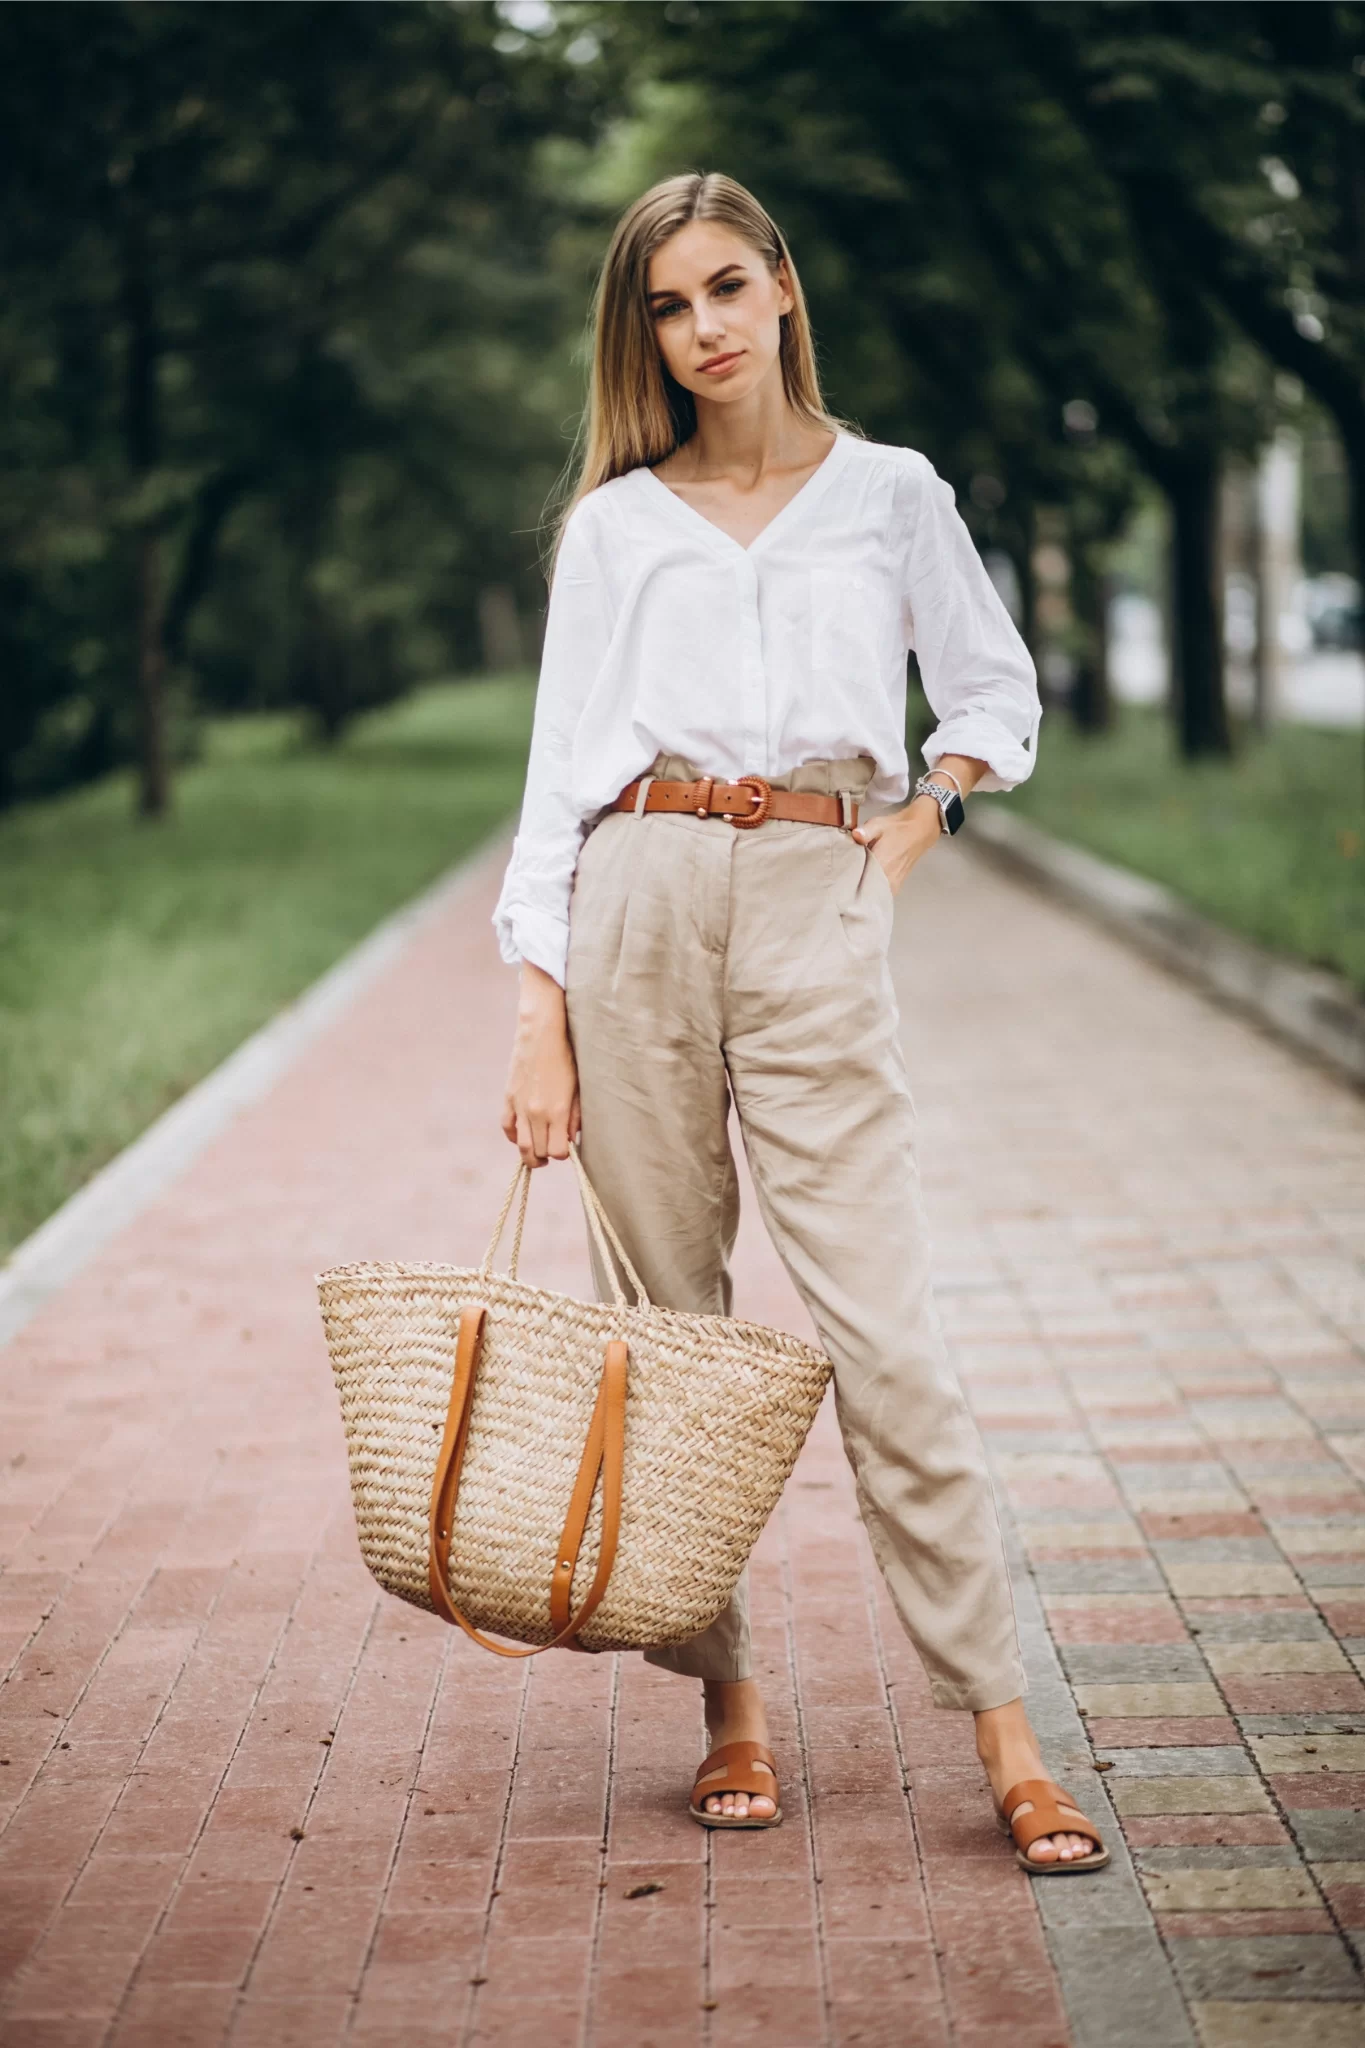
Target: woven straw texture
x=716, y=1414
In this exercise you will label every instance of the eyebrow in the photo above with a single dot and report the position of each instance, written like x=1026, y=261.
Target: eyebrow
x=714, y=278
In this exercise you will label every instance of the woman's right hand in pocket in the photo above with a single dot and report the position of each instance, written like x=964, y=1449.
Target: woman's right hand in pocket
x=540, y=1112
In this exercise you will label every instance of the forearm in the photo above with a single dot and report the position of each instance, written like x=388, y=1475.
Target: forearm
x=965, y=771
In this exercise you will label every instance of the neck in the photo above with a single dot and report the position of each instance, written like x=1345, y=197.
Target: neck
x=752, y=434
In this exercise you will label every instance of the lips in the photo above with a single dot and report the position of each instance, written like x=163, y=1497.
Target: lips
x=718, y=363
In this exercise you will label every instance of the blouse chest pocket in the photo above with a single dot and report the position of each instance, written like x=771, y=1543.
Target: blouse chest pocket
x=845, y=633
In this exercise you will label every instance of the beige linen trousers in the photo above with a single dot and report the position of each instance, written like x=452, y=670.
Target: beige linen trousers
x=707, y=964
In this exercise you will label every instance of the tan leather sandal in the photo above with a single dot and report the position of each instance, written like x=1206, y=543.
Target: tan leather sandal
x=737, y=1767
x=1053, y=1814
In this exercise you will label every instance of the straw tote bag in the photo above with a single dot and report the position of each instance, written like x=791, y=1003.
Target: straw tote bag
x=552, y=1470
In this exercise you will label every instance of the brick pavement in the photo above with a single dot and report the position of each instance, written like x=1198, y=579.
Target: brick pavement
x=244, y=1799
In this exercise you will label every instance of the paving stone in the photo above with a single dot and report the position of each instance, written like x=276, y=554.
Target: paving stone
x=1210, y=1579
x=1341, y=1789
x=1342, y=1723
x=1267, y=1967
x=1282, y=1654
x=1285, y=1753
x=1242, y=1922
x=1119, y=1992
x=1178, y=1556
x=1121, y=1575
x=1337, y=1697
x=1193, y=1762
x=1121, y=1619
x=1157, y=1701
x=1137, y=1795
x=1178, y=1733
x=1329, y=1833
x=1132, y=1663
x=1220, y=1856
x=1272, y=2024
x=1202, y=1830
x=1162, y=1479
x=1212, y=1891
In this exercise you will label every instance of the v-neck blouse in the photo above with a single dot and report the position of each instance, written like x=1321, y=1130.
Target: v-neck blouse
x=666, y=636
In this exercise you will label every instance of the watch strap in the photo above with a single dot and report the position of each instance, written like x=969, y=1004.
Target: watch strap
x=950, y=806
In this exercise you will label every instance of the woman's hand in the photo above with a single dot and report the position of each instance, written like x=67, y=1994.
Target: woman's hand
x=540, y=1111
x=901, y=838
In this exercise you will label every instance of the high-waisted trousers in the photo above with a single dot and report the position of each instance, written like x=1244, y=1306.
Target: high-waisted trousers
x=710, y=965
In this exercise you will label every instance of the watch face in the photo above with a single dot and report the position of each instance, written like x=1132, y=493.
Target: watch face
x=954, y=816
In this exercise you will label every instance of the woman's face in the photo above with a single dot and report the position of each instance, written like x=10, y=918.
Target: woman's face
x=716, y=309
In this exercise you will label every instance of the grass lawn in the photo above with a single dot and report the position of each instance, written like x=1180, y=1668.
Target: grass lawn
x=1270, y=844
x=134, y=957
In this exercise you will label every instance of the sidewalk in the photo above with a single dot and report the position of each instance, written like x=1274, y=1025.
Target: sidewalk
x=244, y=1799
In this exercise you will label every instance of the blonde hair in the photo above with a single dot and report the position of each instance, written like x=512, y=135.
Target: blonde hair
x=637, y=413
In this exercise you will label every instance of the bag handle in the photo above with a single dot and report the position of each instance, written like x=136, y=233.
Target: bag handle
x=607, y=1241
x=599, y=1223
x=603, y=1453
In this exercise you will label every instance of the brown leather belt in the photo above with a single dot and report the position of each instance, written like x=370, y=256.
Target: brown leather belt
x=748, y=802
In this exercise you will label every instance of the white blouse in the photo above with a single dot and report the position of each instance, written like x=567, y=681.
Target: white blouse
x=664, y=635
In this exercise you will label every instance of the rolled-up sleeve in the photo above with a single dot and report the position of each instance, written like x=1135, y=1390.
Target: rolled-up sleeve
x=532, y=915
x=977, y=673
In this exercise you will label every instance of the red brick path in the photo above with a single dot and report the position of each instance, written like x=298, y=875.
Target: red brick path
x=246, y=1799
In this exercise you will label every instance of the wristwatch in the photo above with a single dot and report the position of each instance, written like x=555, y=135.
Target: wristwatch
x=949, y=802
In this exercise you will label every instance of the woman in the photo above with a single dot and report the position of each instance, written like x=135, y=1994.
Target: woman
x=737, y=584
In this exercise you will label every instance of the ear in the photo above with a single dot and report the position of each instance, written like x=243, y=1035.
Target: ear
x=787, y=297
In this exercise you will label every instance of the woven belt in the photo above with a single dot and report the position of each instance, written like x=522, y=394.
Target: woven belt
x=749, y=801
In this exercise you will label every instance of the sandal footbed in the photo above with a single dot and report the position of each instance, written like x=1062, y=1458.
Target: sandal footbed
x=729, y=1820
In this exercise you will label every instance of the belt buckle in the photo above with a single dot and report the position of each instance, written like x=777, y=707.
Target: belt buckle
x=761, y=808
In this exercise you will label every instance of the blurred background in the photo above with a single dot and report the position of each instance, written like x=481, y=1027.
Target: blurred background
x=292, y=352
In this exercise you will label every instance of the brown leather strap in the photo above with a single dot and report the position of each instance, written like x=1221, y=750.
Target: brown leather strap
x=742, y=803
x=1051, y=1808
x=737, y=1767
x=604, y=1453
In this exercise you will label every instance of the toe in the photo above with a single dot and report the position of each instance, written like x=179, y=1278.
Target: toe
x=1044, y=1850
x=761, y=1808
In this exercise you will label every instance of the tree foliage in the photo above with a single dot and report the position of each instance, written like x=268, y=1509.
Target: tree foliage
x=280, y=339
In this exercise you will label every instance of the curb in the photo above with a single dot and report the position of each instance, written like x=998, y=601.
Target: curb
x=1313, y=1011
x=44, y=1263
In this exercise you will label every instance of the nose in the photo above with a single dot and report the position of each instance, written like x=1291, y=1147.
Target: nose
x=710, y=326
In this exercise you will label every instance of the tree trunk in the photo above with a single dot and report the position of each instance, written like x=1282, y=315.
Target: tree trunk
x=1353, y=446
x=1198, y=696
x=142, y=438
x=1091, y=704
x=1019, y=539
x=153, y=767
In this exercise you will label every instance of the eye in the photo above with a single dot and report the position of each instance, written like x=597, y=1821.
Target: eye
x=730, y=287
x=669, y=309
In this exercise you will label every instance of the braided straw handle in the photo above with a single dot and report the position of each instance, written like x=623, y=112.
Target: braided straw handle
x=599, y=1223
